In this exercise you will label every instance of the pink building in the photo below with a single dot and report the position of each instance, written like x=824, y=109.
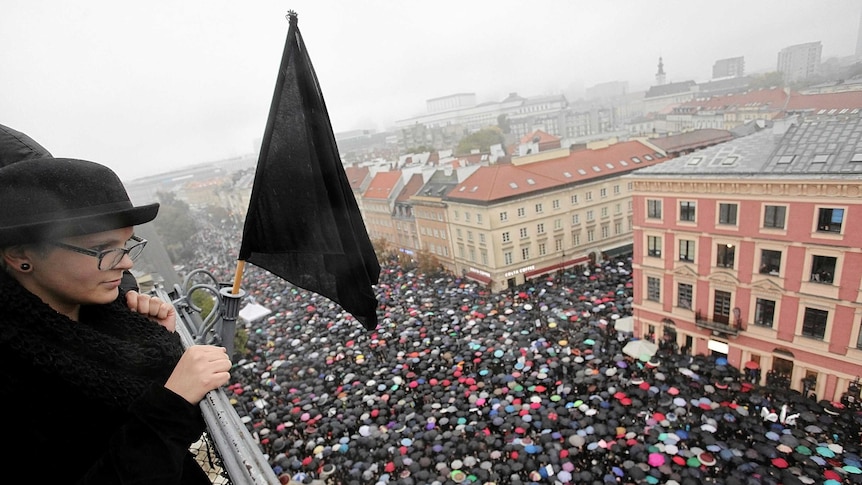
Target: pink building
x=751, y=249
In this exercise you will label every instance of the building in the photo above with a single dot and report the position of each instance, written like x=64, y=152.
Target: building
x=799, y=62
x=730, y=67
x=544, y=212
x=749, y=250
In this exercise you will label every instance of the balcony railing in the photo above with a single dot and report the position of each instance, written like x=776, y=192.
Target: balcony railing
x=716, y=326
x=241, y=459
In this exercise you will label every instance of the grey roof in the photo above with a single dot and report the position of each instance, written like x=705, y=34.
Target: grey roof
x=823, y=147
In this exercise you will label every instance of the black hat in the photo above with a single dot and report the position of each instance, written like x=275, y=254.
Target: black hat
x=48, y=198
x=16, y=146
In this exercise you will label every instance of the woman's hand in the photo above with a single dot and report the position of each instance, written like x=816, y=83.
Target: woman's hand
x=157, y=310
x=201, y=369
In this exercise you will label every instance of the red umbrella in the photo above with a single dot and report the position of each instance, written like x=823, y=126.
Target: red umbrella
x=779, y=462
x=752, y=365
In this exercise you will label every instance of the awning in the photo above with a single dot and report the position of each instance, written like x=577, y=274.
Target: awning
x=555, y=267
x=625, y=249
x=480, y=278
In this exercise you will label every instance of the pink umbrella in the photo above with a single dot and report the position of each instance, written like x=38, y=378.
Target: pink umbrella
x=656, y=459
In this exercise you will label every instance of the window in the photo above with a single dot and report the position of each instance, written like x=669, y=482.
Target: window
x=603, y=192
x=469, y=235
x=540, y=228
x=724, y=255
x=576, y=239
x=539, y=208
x=478, y=218
x=507, y=257
x=618, y=228
x=616, y=189
x=686, y=211
x=653, y=288
x=773, y=216
x=458, y=233
x=555, y=204
x=504, y=216
x=654, y=246
x=521, y=212
x=604, y=212
x=522, y=232
x=525, y=253
x=653, y=209
x=589, y=195
x=721, y=308
x=466, y=217
x=770, y=262
x=575, y=199
x=590, y=215
x=764, y=312
x=683, y=295
x=482, y=238
x=576, y=219
x=558, y=224
x=505, y=237
x=727, y=214
x=606, y=231
x=686, y=250
x=618, y=208
x=830, y=220
x=542, y=249
x=823, y=269
x=591, y=235
x=814, y=323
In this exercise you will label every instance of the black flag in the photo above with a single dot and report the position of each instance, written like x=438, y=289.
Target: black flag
x=303, y=223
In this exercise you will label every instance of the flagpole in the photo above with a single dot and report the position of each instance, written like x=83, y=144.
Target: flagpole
x=237, y=278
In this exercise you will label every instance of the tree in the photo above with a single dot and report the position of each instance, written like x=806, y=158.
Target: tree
x=482, y=140
x=427, y=263
x=503, y=123
x=420, y=149
x=767, y=80
x=175, y=226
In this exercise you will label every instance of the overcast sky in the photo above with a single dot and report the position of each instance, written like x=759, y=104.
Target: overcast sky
x=145, y=87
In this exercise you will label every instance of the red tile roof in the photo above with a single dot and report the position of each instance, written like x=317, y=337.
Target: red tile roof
x=502, y=181
x=762, y=98
x=356, y=175
x=543, y=137
x=826, y=101
x=411, y=188
x=382, y=185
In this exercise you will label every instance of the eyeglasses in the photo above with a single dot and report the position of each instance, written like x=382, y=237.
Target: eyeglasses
x=109, y=258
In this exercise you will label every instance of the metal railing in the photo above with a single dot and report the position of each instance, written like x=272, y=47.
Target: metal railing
x=239, y=456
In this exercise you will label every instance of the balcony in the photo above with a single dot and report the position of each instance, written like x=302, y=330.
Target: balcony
x=717, y=326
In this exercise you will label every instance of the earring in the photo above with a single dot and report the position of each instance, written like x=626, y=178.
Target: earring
x=25, y=266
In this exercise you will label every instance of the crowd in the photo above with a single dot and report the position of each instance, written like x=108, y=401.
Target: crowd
x=529, y=385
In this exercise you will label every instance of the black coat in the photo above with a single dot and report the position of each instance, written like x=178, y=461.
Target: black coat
x=85, y=402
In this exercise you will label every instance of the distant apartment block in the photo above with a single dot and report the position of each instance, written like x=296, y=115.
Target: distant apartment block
x=799, y=62
x=730, y=67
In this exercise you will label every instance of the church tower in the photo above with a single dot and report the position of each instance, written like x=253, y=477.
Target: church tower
x=660, y=76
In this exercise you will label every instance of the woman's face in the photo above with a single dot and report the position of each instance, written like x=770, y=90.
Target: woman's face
x=66, y=279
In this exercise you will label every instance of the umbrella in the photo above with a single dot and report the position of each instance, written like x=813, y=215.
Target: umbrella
x=640, y=349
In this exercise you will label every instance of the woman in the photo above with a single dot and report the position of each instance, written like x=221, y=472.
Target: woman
x=95, y=385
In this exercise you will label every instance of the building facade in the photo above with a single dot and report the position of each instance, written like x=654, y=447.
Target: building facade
x=799, y=62
x=542, y=213
x=748, y=250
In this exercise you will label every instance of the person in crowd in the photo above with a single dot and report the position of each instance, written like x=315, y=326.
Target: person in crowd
x=97, y=387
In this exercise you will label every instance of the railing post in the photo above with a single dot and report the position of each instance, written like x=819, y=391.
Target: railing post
x=229, y=312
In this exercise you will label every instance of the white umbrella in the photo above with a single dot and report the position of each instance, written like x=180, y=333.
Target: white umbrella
x=640, y=349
